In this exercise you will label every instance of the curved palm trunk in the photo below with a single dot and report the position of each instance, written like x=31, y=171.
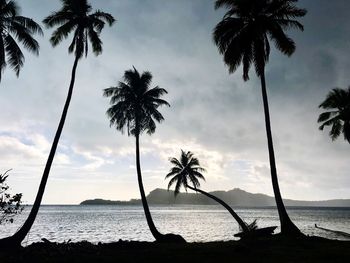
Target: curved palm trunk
x=241, y=223
x=287, y=226
x=156, y=234
x=19, y=236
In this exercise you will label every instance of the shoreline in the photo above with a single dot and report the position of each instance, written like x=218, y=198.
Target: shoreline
x=272, y=249
x=198, y=205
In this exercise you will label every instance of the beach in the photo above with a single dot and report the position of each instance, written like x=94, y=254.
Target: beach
x=272, y=249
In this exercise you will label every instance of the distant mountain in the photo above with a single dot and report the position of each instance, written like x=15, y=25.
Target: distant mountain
x=235, y=197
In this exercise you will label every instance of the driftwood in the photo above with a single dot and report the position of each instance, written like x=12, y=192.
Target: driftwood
x=260, y=232
x=341, y=233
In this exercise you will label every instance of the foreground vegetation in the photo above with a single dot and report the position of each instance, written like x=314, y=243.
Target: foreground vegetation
x=273, y=249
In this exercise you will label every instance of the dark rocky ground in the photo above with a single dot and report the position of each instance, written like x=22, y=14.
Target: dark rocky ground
x=271, y=249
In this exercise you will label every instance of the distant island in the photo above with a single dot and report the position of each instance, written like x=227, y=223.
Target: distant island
x=235, y=197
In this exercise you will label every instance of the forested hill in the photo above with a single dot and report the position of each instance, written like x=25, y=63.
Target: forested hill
x=235, y=197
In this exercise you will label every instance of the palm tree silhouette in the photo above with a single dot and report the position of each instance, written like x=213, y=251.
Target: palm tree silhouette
x=134, y=107
x=337, y=103
x=15, y=27
x=74, y=16
x=187, y=170
x=243, y=38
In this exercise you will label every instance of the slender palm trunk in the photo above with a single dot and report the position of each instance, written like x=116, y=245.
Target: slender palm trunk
x=19, y=236
x=156, y=234
x=241, y=223
x=287, y=226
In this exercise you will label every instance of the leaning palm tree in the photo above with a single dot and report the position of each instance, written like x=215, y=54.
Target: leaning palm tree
x=134, y=107
x=15, y=28
x=74, y=16
x=337, y=104
x=243, y=37
x=185, y=172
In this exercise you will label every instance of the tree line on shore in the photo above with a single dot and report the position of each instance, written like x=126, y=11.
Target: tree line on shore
x=243, y=37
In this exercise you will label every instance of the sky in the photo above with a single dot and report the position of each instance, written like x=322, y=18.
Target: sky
x=214, y=114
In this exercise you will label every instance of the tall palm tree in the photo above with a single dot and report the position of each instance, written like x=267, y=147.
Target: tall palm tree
x=337, y=103
x=243, y=37
x=14, y=27
x=134, y=107
x=185, y=172
x=74, y=16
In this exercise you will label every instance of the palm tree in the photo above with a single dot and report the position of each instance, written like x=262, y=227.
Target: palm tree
x=74, y=16
x=14, y=27
x=243, y=37
x=134, y=107
x=187, y=170
x=337, y=103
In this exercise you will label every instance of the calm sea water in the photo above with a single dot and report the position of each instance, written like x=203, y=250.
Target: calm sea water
x=194, y=223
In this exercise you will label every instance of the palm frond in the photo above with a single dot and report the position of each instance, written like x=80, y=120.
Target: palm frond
x=253, y=225
x=58, y=18
x=336, y=129
x=247, y=61
x=326, y=115
x=102, y=16
x=110, y=91
x=225, y=3
x=2, y=57
x=30, y=24
x=288, y=24
x=140, y=104
x=346, y=130
x=198, y=173
x=155, y=92
x=287, y=10
x=155, y=114
x=193, y=179
x=173, y=171
x=24, y=36
x=62, y=32
x=183, y=173
x=9, y=9
x=283, y=43
x=150, y=126
x=338, y=102
x=176, y=162
x=241, y=35
x=259, y=56
x=15, y=55
x=337, y=98
x=95, y=41
x=76, y=16
x=171, y=182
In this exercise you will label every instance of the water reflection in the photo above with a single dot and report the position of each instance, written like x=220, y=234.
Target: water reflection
x=194, y=223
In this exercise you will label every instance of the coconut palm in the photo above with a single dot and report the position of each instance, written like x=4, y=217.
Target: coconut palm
x=75, y=17
x=15, y=29
x=134, y=107
x=243, y=37
x=185, y=172
x=337, y=104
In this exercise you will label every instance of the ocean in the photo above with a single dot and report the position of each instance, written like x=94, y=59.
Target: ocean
x=199, y=223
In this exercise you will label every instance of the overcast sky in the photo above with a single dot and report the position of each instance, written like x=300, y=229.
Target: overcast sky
x=215, y=115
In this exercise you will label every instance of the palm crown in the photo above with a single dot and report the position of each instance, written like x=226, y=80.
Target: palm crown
x=75, y=15
x=243, y=34
x=134, y=105
x=13, y=26
x=338, y=116
x=186, y=170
